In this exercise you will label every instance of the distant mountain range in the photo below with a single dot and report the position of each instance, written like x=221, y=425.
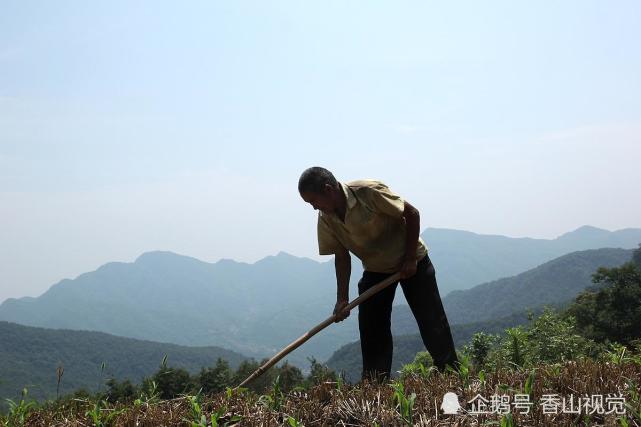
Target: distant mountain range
x=249, y=308
x=30, y=356
x=256, y=309
x=463, y=259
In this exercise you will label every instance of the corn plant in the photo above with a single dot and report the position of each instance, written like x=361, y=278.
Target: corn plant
x=18, y=412
x=634, y=403
x=482, y=378
x=293, y=422
x=616, y=353
x=507, y=420
x=100, y=416
x=217, y=418
x=198, y=419
x=463, y=370
x=529, y=383
x=339, y=382
x=149, y=395
x=405, y=403
x=229, y=392
x=274, y=399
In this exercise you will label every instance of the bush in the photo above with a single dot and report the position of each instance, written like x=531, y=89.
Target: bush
x=479, y=348
x=550, y=338
x=319, y=373
x=612, y=313
x=120, y=392
x=216, y=379
x=420, y=366
x=172, y=382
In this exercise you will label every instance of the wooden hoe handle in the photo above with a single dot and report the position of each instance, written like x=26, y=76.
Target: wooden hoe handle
x=294, y=345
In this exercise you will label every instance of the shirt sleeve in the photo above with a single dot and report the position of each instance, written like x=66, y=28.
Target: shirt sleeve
x=328, y=244
x=383, y=200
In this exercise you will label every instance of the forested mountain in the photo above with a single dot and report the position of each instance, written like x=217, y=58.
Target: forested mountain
x=554, y=282
x=464, y=259
x=256, y=309
x=29, y=357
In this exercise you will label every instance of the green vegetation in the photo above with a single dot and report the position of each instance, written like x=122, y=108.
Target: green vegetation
x=412, y=400
x=601, y=324
x=611, y=313
x=51, y=362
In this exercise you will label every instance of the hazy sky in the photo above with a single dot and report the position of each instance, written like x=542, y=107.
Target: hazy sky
x=127, y=126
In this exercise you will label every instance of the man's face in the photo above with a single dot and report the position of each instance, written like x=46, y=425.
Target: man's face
x=320, y=201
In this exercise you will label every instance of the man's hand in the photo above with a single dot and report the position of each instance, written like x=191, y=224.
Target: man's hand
x=339, y=311
x=408, y=268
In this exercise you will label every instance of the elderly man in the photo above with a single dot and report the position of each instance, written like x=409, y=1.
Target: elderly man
x=382, y=230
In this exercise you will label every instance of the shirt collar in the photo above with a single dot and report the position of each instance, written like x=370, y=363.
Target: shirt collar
x=349, y=196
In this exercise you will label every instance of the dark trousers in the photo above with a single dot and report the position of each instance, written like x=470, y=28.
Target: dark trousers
x=374, y=320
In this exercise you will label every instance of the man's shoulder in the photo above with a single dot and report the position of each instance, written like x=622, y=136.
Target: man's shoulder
x=367, y=188
x=366, y=184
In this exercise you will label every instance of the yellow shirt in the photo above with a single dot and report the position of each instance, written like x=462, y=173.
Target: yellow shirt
x=374, y=227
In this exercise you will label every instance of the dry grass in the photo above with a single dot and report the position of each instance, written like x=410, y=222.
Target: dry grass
x=372, y=404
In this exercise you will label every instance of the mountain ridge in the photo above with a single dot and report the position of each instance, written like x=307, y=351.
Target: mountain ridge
x=255, y=309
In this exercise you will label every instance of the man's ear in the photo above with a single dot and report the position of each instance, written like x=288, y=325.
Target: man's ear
x=328, y=190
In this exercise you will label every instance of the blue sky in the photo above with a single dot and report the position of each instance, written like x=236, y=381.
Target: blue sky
x=135, y=126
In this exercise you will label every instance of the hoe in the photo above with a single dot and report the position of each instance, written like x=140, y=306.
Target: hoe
x=294, y=345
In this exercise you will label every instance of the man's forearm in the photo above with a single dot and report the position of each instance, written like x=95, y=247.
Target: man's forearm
x=343, y=265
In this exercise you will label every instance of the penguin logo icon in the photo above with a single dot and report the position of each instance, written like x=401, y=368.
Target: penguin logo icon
x=450, y=403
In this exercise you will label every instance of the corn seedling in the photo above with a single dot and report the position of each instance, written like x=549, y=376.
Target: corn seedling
x=102, y=417
x=274, y=399
x=198, y=419
x=229, y=392
x=339, y=382
x=405, y=403
x=148, y=396
x=616, y=353
x=529, y=383
x=293, y=422
x=507, y=420
x=482, y=378
x=217, y=418
x=634, y=403
x=464, y=370
x=18, y=412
